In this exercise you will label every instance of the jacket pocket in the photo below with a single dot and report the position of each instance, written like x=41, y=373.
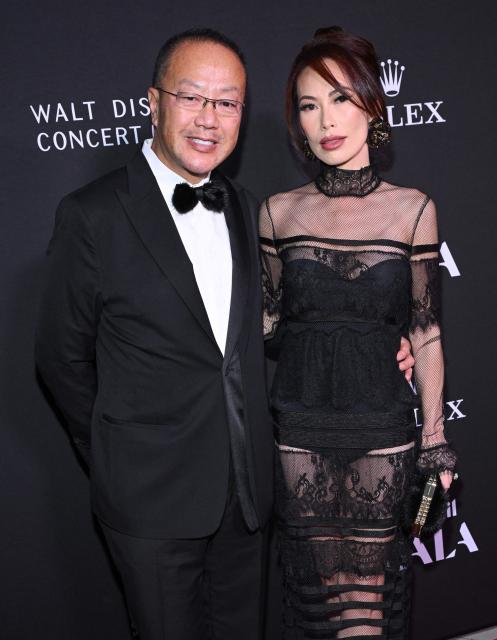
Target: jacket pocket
x=123, y=422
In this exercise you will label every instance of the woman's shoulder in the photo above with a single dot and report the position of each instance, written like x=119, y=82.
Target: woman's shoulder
x=284, y=199
x=408, y=201
x=403, y=193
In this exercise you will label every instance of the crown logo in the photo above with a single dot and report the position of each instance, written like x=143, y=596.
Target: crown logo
x=391, y=77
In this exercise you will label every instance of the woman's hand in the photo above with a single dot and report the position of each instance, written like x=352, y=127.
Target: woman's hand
x=405, y=359
x=446, y=478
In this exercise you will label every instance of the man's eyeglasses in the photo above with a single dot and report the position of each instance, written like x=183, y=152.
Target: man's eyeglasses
x=195, y=102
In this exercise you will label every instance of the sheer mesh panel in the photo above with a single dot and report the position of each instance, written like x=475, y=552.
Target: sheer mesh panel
x=345, y=565
x=350, y=264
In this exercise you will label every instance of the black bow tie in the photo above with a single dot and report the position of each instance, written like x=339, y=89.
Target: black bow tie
x=213, y=195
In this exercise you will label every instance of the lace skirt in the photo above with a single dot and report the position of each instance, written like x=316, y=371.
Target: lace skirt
x=345, y=561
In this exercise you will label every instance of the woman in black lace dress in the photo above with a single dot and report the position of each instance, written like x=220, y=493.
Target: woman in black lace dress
x=350, y=264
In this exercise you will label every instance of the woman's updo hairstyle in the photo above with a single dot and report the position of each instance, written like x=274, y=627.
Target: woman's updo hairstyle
x=357, y=59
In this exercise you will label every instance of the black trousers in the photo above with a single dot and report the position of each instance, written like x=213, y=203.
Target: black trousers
x=210, y=588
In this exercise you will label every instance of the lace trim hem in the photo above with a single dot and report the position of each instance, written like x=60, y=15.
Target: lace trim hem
x=438, y=458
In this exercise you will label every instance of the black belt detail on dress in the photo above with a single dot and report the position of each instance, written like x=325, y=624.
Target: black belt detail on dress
x=319, y=316
x=349, y=431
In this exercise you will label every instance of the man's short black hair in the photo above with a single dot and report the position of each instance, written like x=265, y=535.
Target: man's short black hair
x=192, y=35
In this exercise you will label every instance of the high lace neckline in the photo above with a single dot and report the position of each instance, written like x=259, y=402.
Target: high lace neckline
x=334, y=182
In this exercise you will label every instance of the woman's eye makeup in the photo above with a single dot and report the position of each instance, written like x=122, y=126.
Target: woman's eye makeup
x=336, y=98
x=307, y=106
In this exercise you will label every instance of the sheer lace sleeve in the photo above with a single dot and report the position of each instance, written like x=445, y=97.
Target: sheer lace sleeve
x=426, y=341
x=271, y=272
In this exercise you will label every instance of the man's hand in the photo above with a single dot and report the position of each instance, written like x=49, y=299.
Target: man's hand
x=405, y=358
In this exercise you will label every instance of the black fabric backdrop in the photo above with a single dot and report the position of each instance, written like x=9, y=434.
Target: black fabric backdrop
x=72, y=77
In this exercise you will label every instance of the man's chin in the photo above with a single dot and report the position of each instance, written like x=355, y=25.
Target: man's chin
x=200, y=170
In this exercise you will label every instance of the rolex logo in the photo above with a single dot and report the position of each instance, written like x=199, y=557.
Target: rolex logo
x=391, y=77
x=412, y=113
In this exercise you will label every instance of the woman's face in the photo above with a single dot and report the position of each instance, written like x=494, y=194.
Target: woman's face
x=335, y=128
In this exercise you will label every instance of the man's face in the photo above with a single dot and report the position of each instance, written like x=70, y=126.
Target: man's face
x=193, y=143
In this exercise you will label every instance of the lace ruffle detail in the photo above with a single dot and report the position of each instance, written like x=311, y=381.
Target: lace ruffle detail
x=439, y=458
x=334, y=182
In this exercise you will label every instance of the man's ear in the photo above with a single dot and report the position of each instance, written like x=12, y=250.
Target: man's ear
x=153, y=101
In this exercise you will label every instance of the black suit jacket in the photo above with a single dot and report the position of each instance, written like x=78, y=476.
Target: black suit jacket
x=125, y=346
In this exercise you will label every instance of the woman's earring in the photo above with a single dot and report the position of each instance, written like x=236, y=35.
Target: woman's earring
x=379, y=133
x=308, y=153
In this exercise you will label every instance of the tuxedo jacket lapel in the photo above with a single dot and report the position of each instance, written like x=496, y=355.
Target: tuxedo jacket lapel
x=153, y=222
x=235, y=214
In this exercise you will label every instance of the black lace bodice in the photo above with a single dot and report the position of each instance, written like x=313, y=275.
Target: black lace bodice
x=350, y=263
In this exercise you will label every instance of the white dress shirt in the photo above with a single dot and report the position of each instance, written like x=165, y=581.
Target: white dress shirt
x=206, y=240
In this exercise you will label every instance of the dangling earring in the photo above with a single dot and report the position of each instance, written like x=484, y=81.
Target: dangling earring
x=379, y=133
x=308, y=153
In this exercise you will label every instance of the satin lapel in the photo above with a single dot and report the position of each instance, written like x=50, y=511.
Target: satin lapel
x=235, y=214
x=152, y=221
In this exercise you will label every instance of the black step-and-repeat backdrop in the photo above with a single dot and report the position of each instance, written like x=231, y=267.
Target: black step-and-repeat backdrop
x=73, y=79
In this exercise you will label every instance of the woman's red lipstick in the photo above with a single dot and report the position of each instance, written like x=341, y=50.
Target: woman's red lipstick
x=329, y=143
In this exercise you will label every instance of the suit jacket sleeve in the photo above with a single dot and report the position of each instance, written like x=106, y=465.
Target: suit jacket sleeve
x=68, y=321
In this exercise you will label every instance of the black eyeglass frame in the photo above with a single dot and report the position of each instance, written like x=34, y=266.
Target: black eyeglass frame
x=214, y=101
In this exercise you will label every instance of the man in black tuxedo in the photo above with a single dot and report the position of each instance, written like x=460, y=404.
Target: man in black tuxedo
x=150, y=340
